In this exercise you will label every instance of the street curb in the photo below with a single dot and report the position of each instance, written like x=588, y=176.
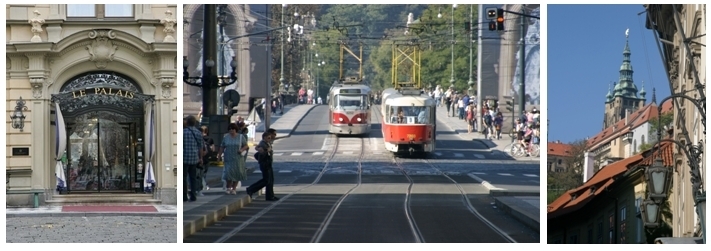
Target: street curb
x=501, y=192
x=88, y=214
x=191, y=227
x=521, y=216
x=485, y=183
x=299, y=122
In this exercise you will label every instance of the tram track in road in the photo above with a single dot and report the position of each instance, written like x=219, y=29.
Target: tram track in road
x=464, y=200
x=328, y=216
x=324, y=226
x=419, y=238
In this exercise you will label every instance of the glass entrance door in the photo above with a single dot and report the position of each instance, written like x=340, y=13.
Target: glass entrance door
x=100, y=154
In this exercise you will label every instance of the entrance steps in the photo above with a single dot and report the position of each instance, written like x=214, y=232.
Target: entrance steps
x=102, y=198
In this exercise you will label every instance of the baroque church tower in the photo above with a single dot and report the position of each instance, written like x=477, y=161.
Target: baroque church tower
x=623, y=99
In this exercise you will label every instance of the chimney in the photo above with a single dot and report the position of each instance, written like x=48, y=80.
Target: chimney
x=627, y=115
x=589, y=166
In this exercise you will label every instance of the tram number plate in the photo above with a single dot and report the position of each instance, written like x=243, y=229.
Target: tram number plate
x=350, y=112
x=411, y=136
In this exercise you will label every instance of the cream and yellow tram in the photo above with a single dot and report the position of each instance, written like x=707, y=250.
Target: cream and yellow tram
x=349, y=109
x=409, y=121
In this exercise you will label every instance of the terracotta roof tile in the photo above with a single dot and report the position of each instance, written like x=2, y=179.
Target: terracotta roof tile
x=566, y=203
x=634, y=120
x=560, y=149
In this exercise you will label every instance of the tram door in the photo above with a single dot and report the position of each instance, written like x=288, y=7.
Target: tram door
x=100, y=154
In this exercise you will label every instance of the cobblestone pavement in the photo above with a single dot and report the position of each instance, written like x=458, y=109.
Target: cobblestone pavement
x=100, y=229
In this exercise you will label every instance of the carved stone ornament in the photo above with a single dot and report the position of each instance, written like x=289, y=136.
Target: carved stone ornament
x=166, y=84
x=169, y=23
x=36, y=27
x=101, y=50
x=37, y=84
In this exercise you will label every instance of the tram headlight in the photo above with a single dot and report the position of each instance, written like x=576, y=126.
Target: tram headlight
x=340, y=119
x=359, y=119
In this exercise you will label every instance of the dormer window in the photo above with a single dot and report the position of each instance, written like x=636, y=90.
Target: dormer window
x=593, y=189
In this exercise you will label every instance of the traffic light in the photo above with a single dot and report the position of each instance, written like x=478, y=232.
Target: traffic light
x=492, y=25
x=509, y=103
x=500, y=19
x=491, y=13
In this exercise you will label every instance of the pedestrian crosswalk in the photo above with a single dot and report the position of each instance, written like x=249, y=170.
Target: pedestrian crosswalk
x=448, y=154
x=505, y=174
x=458, y=155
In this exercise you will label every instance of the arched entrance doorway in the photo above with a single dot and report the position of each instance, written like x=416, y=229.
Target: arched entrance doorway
x=103, y=118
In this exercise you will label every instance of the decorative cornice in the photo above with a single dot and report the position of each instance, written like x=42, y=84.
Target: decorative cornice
x=82, y=45
x=130, y=48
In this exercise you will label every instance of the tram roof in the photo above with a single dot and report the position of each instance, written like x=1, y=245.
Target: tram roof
x=397, y=99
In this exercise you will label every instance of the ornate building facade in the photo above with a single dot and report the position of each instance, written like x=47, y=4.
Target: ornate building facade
x=89, y=85
x=683, y=28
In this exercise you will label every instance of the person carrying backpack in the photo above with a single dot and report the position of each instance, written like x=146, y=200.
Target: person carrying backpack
x=209, y=149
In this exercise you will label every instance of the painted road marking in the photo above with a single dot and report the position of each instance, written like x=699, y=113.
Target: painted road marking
x=458, y=155
x=318, y=153
x=505, y=174
x=296, y=154
x=479, y=173
x=348, y=152
x=531, y=175
x=278, y=154
x=284, y=171
x=479, y=156
x=388, y=172
x=438, y=153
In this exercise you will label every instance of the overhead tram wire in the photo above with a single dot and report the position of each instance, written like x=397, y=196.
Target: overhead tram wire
x=646, y=52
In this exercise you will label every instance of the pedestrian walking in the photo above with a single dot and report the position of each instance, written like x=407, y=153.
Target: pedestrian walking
x=192, y=157
x=264, y=156
x=234, y=146
x=210, y=156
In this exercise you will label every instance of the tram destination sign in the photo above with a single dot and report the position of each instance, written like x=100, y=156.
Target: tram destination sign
x=350, y=91
x=102, y=91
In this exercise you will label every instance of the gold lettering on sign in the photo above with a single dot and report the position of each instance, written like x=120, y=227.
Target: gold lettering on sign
x=102, y=91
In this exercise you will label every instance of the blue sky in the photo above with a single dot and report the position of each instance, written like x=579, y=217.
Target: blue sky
x=585, y=44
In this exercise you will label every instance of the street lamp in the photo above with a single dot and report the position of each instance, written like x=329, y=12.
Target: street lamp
x=18, y=118
x=281, y=76
x=650, y=213
x=656, y=175
x=209, y=80
x=318, y=74
x=439, y=15
x=471, y=34
x=657, y=181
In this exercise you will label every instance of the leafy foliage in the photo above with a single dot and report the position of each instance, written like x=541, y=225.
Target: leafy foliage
x=572, y=177
x=374, y=26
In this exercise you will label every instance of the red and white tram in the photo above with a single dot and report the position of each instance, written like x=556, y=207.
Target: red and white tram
x=409, y=121
x=349, y=108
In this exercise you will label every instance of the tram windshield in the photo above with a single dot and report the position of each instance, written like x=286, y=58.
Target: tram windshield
x=350, y=102
x=410, y=114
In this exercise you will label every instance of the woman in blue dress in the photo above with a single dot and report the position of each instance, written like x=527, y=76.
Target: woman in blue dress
x=234, y=146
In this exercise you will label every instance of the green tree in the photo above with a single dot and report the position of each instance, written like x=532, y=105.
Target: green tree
x=570, y=178
x=666, y=120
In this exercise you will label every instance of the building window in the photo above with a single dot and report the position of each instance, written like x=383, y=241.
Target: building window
x=560, y=161
x=599, y=231
x=100, y=10
x=590, y=234
x=623, y=224
x=612, y=228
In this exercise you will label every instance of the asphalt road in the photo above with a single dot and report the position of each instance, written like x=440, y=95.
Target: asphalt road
x=367, y=198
